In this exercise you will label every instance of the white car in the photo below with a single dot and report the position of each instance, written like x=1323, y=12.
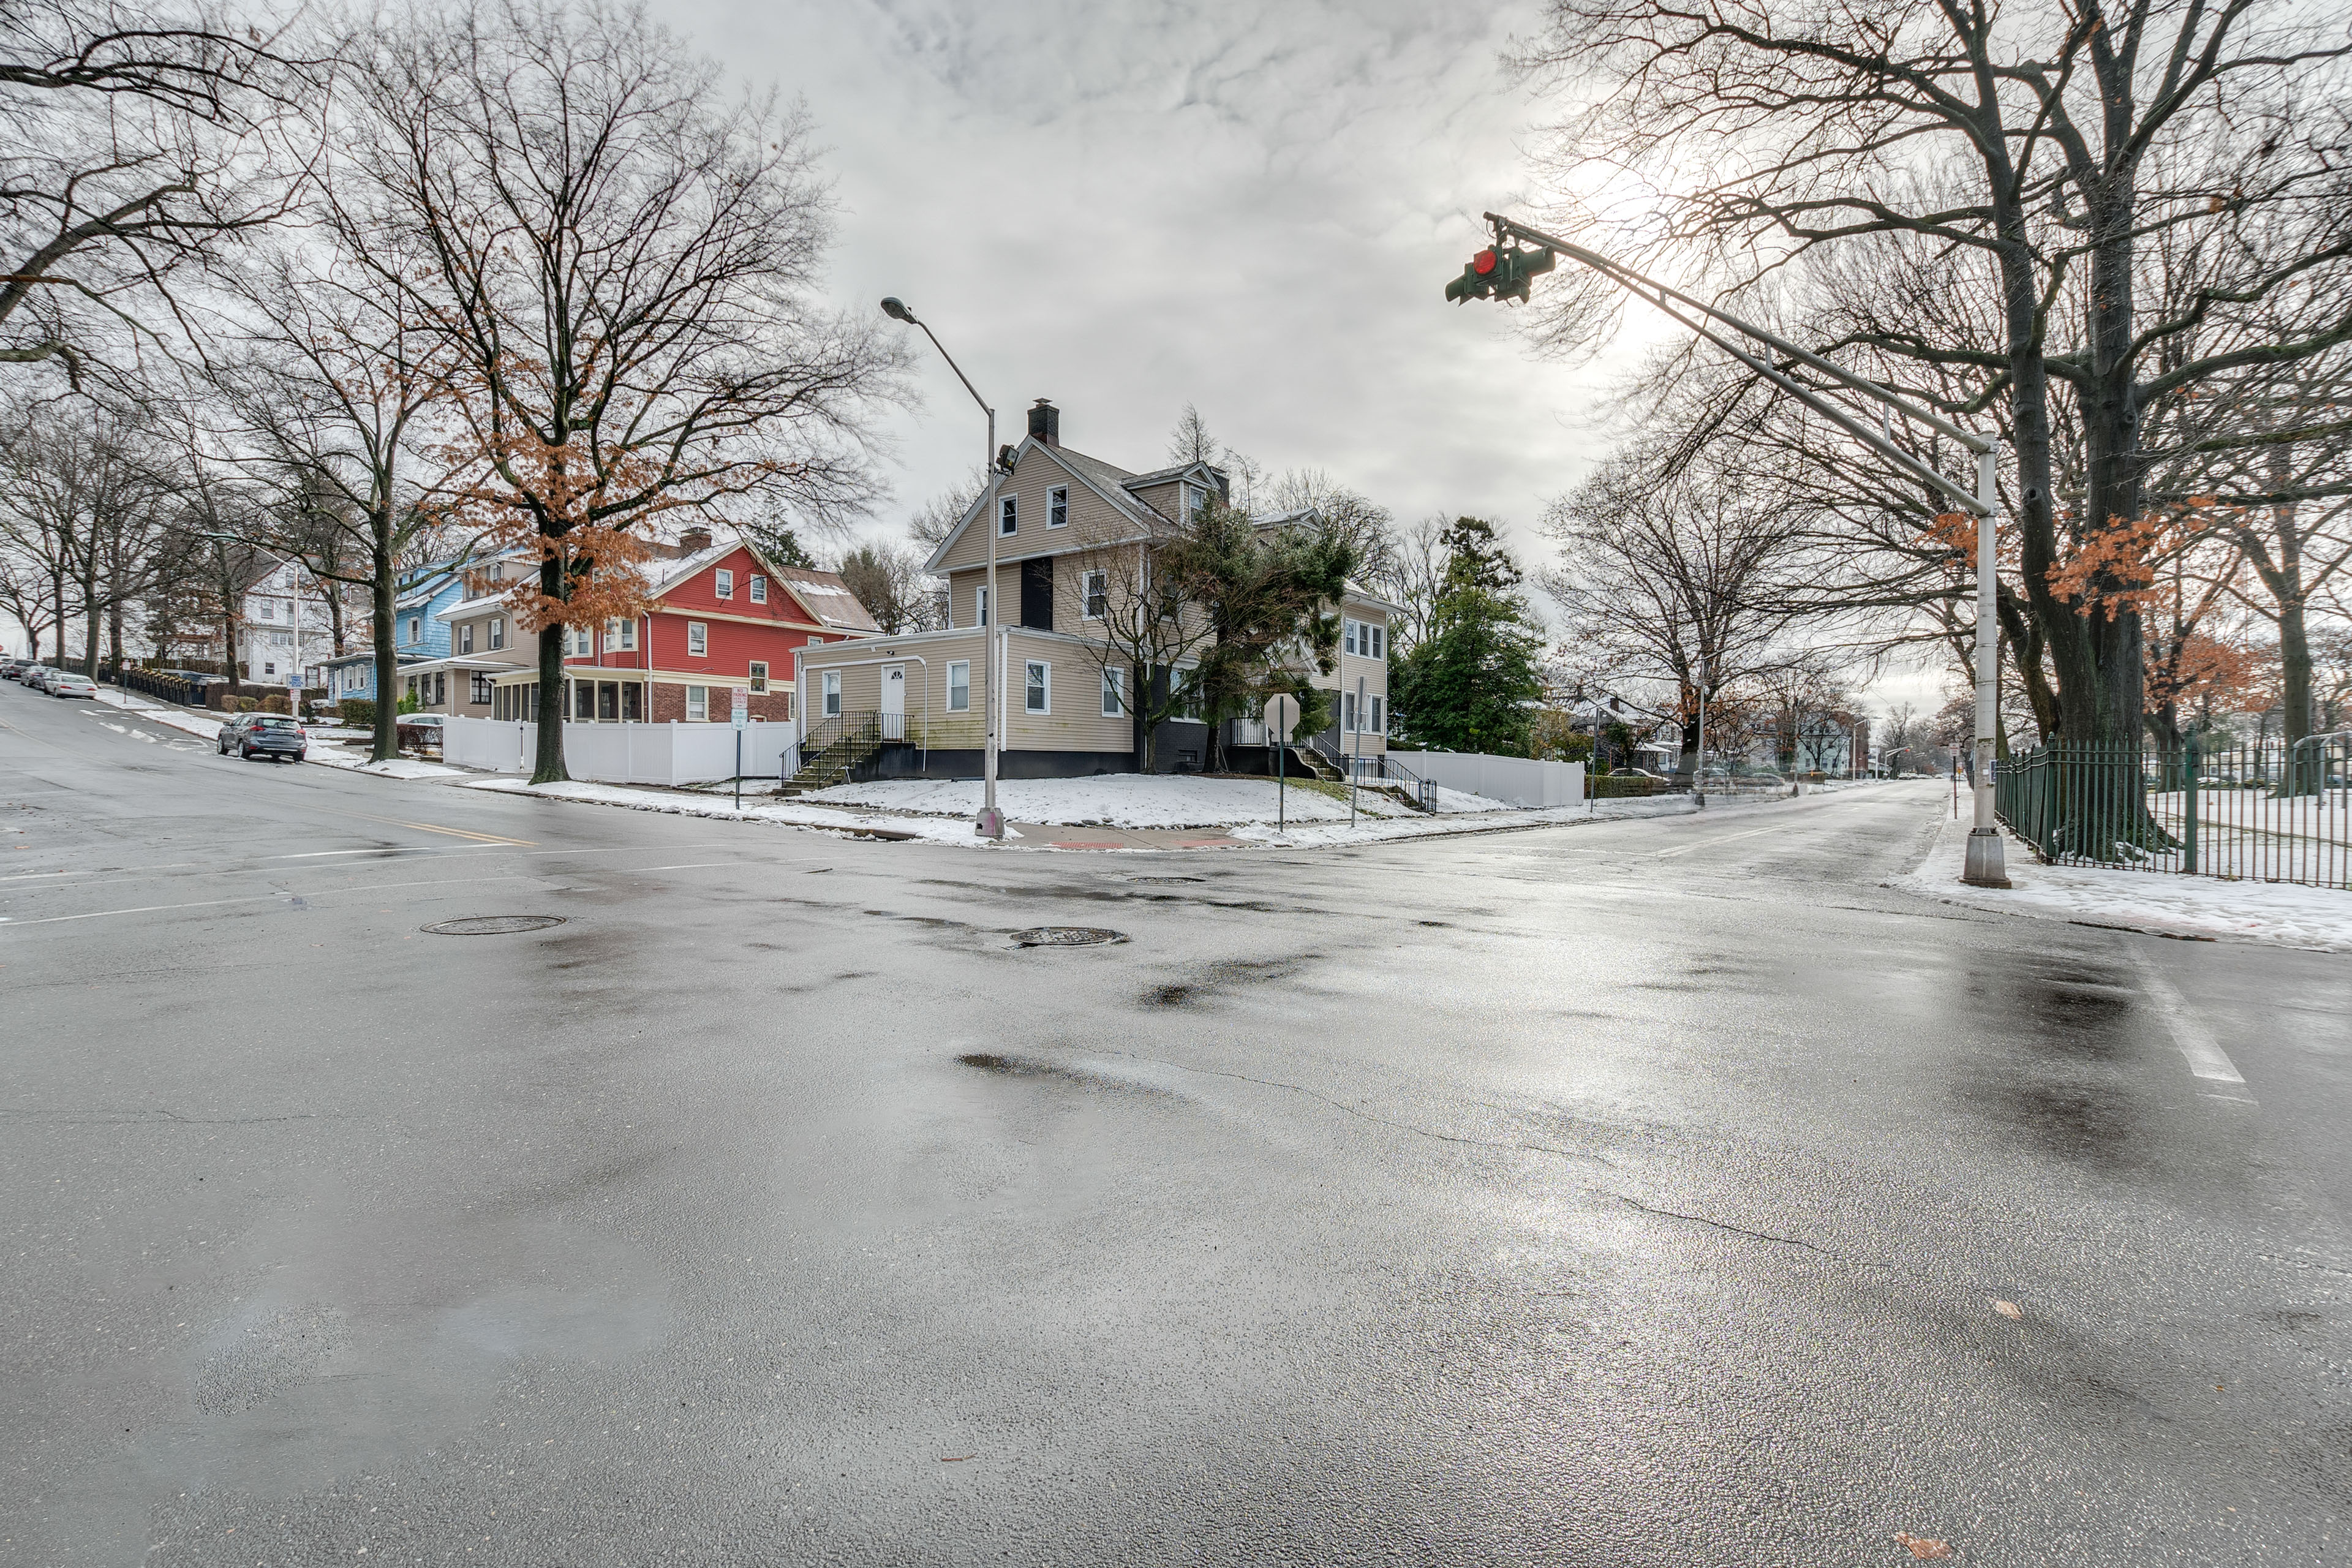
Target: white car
x=71, y=683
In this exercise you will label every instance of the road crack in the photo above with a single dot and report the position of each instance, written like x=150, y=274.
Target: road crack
x=1734, y=1229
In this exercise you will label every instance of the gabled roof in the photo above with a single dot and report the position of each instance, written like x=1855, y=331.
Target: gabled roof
x=1107, y=480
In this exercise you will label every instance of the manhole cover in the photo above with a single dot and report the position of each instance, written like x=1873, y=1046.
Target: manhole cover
x=493, y=925
x=1165, y=881
x=1065, y=936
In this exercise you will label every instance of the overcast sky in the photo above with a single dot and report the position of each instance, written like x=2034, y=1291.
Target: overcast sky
x=1252, y=208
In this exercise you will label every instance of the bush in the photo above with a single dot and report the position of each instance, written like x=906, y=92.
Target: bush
x=274, y=703
x=1623, y=786
x=246, y=705
x=357, y=712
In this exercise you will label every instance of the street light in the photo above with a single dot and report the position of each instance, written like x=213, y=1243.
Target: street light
x=1886, y=759
x=1489, y=276
x=992, y=821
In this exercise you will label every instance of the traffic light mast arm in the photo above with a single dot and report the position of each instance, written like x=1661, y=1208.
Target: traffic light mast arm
x=1656, y=293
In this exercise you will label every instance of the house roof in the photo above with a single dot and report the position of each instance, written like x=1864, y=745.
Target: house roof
x=828, y=598
x=1107, y=481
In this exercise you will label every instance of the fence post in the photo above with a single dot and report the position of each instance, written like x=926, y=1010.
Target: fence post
x=2189, y=817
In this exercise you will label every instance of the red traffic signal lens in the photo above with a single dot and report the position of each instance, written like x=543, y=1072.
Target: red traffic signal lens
x=1483, y=263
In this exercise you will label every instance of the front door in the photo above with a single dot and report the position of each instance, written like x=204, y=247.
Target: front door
x=894, y=702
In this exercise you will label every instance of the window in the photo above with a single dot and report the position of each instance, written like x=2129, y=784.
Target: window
x=1058, y=506
x=816, y=641
x=441, y=689
x=698, y=640
x=268, y=611
x=724, y=581
x=416, y=628
x=1347, y=711
x=1039, y=687
x=1379, y=728
x=758, y=589
x=465, y=639
x=758, y=676
x=697, y=704
x=979, y=608
x=626, y=638
x=412, y=686
x=1096, y=585
x=498, y=631
x=1008, y=514
x=960, y=686
x=1114, y=693
x=481, y=692
x=1348, y=637
x=498, y=571
x=578, y=642
x=1379, y=635
x=269, y=668
x=833, y=694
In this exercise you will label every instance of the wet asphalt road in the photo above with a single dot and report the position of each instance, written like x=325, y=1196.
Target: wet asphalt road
x=1634, y=1194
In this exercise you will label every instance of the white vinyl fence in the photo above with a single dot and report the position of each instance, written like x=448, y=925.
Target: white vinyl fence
x=1515, y=781
x=623, y=753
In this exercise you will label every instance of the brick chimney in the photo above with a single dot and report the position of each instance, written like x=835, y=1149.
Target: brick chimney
x=1045, y=422
x=697, y=537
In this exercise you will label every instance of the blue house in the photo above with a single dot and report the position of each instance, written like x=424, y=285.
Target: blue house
x=418, y=632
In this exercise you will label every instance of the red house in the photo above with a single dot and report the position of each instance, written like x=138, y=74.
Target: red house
x=720, y=616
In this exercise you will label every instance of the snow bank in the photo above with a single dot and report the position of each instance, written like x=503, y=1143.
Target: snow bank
x=2147, y=900
x=334, y=756
x=787, y=814
x=1133, y=800
x=206, y=725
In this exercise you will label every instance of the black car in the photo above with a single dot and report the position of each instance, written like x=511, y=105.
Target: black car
x=272, y=735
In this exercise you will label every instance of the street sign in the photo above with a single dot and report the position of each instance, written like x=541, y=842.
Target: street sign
x=740, y=706
x=1281, y=717
x=294, y=682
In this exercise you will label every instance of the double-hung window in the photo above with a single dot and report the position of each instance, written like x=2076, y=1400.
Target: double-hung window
x=1348, y=640
x=758, y=675
x=1379, y=636
x=1114, y=693
x=698, y=703
x=1379, y=727
x=1039, y=686
x=481, y=683
x=620, y=633
x=1097, y=588
x=698, y=640
x=1008, y=515
x=1348, y=711
x=960, y=686
x=758, y=588
x=833, y=694
x=980, y=606
x=1058, y=506
x=498, y=631
x=465, y=639
x=416, y=629
x=723, y=581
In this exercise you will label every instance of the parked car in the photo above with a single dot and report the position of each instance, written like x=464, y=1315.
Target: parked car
x=71, y=683
x=38, y=678
x=14, y=669
x=421, y=730
x=272, y=735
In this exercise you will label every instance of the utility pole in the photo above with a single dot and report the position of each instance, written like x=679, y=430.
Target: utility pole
x=1505, y=270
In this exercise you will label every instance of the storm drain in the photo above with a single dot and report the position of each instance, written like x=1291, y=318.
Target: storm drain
x=493, y=925
x=1065, y=936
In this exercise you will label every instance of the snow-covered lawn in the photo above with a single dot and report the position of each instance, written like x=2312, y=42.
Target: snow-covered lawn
x=756, y=808
x=355, y=761
x=2199, y=906
x=1135, y=800
x=205, y=724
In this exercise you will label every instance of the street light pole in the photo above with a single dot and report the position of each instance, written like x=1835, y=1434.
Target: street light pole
x=1698, y=776
x=992, y=821
x=1984, y=867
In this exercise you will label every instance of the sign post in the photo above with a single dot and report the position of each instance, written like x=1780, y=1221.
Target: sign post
x=739, y=710
x=1281, y=718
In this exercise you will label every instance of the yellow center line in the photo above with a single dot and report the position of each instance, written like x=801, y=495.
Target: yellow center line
x=453, y=832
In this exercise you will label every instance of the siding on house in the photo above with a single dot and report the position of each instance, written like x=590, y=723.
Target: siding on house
x=1093, y=519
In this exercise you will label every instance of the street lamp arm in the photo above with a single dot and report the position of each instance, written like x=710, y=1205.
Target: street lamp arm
x=1617, y=271
x=968, y=386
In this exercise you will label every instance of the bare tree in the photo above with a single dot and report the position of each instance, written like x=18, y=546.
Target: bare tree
x=136, y=145
x=889, y=581
x=623, y=262
x=2040, y=148
x=1149, y=636
x=1413, y=575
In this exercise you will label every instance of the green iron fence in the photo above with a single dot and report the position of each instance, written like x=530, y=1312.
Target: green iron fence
x=2261, y=812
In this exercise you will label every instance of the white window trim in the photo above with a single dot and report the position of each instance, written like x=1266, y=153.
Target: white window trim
x=697, y=697
x=1087, y=582
x=829, y=693
x=698, y=640
x=498, y=632
x=1008, y=510
x=1044, y=687
x=722, y=582
x=758, y=675
x=980, y=604
x=466, y=639
x=959, y=666
x=1113, y=692
x=1057, y=499
x=758, y=588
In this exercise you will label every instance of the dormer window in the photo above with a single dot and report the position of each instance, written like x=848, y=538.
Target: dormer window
x=1058, y=506
x=724, y=580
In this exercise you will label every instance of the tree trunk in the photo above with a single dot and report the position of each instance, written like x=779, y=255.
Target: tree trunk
x=382, y=621
x=114, y=633
x=548, y=767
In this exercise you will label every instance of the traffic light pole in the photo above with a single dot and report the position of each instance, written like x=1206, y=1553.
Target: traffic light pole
x=1984, y=866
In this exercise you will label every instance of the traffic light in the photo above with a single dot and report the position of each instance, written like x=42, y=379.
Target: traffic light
x=1478, y=280
x=1497, y=274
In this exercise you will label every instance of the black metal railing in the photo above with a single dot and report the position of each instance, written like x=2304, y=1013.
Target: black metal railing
x=2261, y=810
x=835, y=745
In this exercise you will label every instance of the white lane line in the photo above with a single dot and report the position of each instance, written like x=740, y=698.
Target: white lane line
x=2206, y=1058
x=1726, y=838
x=265, y=898
x=409, y=849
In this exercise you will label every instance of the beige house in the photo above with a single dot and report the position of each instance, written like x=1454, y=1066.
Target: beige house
x=1074, y=537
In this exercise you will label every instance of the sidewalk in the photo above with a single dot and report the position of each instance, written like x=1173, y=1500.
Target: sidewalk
x=2199, y=907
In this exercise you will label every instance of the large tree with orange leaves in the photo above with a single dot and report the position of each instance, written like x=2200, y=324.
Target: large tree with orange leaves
x=622, y=257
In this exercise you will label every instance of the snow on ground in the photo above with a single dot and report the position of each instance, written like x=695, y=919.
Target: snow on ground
x=786, y=814
x=205, y=724
x=1321, y=833
x=2150, y=900
x=1133, y=800
x=334, y=756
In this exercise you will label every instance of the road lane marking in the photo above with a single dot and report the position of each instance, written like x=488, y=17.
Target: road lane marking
x=2205, y=1055
x=403, y=849
x=1726, y=838
x=452, y=832
x=265, y=898
x=149, y=909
